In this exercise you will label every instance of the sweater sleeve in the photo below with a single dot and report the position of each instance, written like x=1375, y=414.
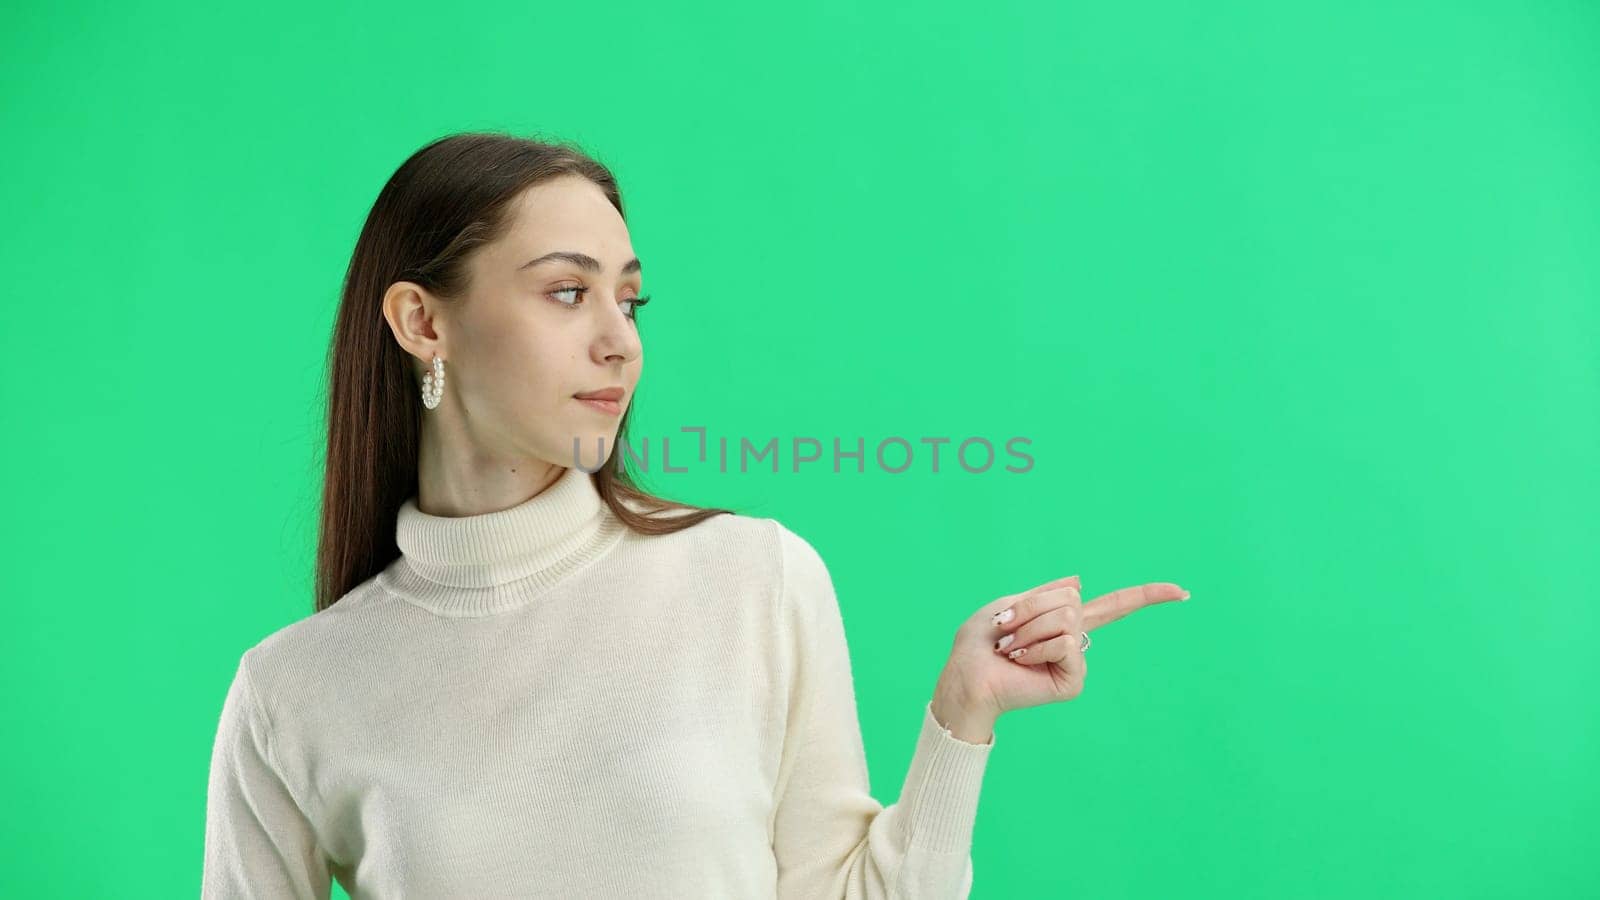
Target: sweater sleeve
x=831, y=839
x=258, y=843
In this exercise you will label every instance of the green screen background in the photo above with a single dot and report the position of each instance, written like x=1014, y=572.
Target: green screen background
x=1296, y=304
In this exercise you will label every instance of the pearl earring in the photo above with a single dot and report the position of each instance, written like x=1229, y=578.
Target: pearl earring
x=433, y=384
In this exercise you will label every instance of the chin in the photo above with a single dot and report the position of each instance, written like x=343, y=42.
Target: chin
x=589, y=448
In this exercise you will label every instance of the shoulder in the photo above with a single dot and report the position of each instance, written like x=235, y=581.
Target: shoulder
x=801, y=562
x=754, y=548
x=282, y=659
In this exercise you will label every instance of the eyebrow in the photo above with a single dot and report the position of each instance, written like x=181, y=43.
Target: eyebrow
x=581, y=260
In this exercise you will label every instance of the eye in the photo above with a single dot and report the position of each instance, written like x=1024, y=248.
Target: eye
x=633, y=305
x=633, y=302
x=579, y=291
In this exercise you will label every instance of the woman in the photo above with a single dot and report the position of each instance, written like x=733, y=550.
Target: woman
x=526, y=677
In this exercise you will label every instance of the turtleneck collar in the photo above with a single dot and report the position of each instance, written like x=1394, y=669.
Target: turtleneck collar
x=493, y=562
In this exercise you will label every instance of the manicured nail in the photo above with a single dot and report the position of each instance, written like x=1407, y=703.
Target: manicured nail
x=1185, y=596
x=1004, y=642
x=1004, y=616
x=1017, y=652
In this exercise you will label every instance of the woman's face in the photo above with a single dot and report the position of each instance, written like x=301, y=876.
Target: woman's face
x=548, y=316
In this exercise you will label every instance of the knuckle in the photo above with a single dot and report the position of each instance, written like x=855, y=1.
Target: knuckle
x=1045, y=652
x=1065, y=592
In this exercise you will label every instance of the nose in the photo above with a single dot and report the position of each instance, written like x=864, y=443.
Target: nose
x=616, y=337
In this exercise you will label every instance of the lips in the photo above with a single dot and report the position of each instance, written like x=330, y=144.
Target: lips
x=610, y=393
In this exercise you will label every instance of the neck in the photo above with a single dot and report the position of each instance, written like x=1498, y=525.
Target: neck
x=454, y=481
x=492, y=561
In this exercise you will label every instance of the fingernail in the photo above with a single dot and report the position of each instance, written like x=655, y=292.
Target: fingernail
x=1004, y=616
x=1004, y=642
x=1185, y=596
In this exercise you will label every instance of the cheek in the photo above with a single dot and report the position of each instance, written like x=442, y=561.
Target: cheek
x=522, y=366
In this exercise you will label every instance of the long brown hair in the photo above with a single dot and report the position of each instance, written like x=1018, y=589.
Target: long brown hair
x=447, y=199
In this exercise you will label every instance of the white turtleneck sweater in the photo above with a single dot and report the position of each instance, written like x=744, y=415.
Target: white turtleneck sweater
x=539, y=702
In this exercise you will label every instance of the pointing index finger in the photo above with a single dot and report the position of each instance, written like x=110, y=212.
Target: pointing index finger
x=1113, y=606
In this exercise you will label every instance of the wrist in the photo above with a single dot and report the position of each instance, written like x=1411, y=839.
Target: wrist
x=964, y=720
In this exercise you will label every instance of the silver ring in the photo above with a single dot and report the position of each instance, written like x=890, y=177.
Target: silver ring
x=1085, y=644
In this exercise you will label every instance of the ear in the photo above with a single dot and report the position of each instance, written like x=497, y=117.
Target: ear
x=417, y=319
